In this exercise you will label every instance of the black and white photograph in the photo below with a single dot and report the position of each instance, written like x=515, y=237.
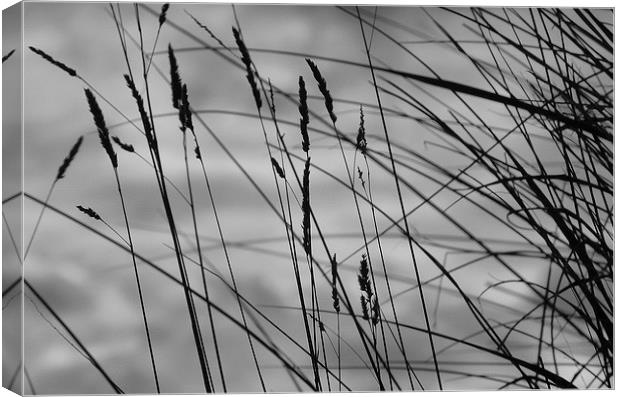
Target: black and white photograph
x=213, y=197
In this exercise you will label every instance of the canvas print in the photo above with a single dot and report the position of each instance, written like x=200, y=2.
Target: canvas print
x=230, y=198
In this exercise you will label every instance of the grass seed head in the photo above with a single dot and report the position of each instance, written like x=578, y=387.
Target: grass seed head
x=162, y=14
x=8, y=55
x=335, y=297
x=375, y=311
x=277, y=167
x=125, y=146
x=360, y=176
x=361, y=134
x=146, y=124
x=305, y=207
x=303, y=111
x=67, y=161
x=175, y=79
x=104, y=134
x=364, y=303
x=362, y=277
x=51, y=60
x=90, y=212
x=247, y=61
x=273, y=102
x=185, y=109
x=329, y=103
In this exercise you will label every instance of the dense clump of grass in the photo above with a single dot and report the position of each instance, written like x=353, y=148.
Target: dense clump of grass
x=560, y=215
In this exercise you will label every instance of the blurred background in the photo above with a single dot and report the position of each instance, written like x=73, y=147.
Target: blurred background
x=90, y=282
x=12, y=209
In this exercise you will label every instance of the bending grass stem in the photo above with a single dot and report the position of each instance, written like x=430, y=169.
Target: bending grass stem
x=135, y=267
x=401, y=203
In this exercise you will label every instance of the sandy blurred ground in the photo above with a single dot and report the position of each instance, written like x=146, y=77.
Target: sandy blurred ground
x=90, y=281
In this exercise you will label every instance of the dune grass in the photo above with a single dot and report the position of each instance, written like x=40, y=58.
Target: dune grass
x=547, y=79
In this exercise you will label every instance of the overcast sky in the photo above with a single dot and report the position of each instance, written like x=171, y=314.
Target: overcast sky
x=91, y=282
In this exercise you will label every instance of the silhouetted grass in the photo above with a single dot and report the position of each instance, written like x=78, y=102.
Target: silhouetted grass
x=545, y=77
